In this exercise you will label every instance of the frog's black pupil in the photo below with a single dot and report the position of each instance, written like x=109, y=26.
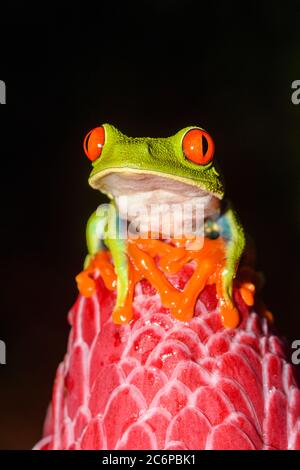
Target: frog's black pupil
x=204, y=145
x=87, y=141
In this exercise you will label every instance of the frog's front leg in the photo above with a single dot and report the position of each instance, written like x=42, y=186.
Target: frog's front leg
x=232, y=232
x=117, y=245
x=105, y=229
x=95, y=229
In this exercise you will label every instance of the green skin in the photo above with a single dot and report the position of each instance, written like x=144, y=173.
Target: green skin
x=163, y=157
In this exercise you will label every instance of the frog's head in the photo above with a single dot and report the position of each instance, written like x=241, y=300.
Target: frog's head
x=181, y=165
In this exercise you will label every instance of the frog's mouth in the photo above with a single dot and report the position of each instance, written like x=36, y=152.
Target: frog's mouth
x=140, y=190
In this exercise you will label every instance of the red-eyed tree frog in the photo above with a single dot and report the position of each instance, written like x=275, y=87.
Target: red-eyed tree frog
x=176, y=169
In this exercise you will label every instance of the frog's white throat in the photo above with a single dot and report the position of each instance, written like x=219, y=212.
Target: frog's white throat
x=141, y=197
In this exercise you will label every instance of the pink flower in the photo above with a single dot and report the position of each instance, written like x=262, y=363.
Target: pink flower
x=158, y=383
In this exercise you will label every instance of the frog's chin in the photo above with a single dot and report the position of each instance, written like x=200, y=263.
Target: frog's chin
x=142, y=190
x=135, y=179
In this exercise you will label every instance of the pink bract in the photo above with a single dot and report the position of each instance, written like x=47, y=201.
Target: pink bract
x=158, y=383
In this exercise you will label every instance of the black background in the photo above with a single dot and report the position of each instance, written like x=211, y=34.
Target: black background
x=150, y=68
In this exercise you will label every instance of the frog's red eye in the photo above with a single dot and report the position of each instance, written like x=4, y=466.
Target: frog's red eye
x=94, y=142
x=198, y=146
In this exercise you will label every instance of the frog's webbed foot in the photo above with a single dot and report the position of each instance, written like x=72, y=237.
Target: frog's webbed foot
x=85, y=282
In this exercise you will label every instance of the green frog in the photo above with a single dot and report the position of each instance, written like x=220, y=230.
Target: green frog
x=147, y=171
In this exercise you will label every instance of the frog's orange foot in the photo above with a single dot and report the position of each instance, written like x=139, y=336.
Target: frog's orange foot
x=122, y=315
x=248, y=288
x=86, y=285
x=269, y=316
x=229, y=313
x=99, y=263
x=247, y=291
x=264, y=311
